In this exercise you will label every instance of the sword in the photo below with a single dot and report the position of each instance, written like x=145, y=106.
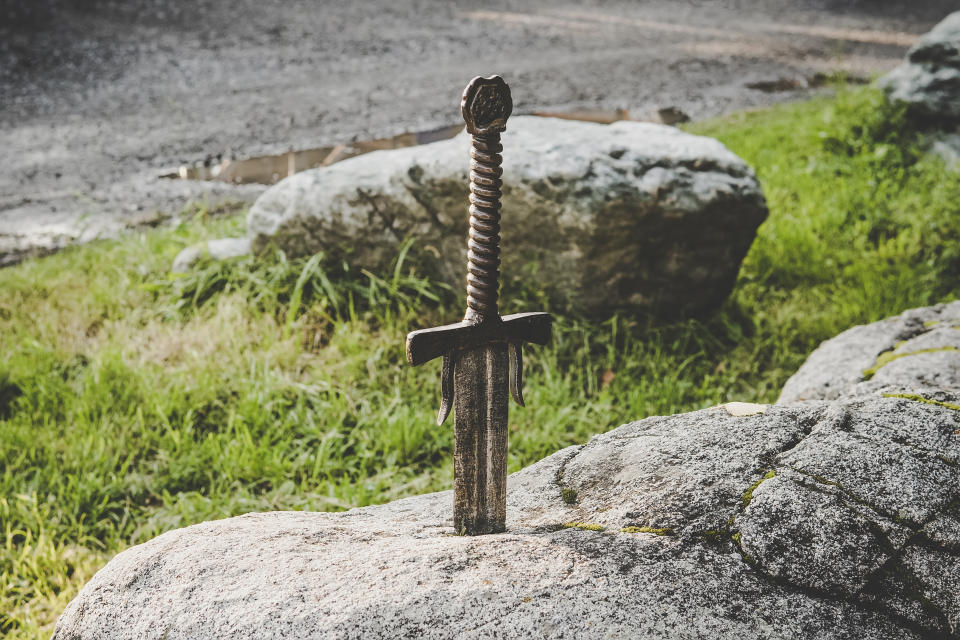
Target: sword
x=482, y=355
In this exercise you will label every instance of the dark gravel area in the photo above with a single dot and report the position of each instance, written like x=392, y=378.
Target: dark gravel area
x=99, y=97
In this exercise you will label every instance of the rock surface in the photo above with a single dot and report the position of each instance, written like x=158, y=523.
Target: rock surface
x=833, y=517
x=929, y=80
x=639, y=213
x=865, y=353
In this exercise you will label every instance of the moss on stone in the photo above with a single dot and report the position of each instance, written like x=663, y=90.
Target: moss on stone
x=586, y=526
x=824, y=480
x=716, y=536
x=887, y=357
x=660, y=531
x=919, y=398
x=749, y=559
x=748, y=494
x=569, y=495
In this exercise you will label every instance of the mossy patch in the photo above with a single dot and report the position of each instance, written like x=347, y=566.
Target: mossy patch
x=569, y=495
x=748, y=494
x=918, y=398
x=948, y=460
x=715, y=536
x=586, y=526
x=749, y=559
x=822, y=479
x=887, y=357
x=660, y=531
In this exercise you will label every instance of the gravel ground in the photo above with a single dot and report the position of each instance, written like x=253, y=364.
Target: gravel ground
x=98, y=98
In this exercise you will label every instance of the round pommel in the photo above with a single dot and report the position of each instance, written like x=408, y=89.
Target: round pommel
x=486, y=105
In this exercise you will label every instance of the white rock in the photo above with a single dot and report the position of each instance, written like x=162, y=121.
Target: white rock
x=225, y=248
x=220, y=249
x=744, y=409
x=187, y=257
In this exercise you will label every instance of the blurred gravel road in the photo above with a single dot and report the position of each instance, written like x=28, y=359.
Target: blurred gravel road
x=99, y=97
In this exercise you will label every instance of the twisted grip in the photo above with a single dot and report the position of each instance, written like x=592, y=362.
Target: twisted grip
x=483, y=256
x=485, y=106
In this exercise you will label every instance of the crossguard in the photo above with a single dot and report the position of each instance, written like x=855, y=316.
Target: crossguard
x=426, y=344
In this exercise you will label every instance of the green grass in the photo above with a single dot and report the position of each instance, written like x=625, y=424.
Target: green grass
x=133, y=402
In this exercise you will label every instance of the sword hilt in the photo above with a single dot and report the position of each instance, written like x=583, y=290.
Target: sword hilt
x=486, y=104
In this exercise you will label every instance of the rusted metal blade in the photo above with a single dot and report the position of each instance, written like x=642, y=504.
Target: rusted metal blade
x=480, y=440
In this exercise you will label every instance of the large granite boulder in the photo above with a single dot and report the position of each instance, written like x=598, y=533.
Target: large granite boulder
x=834, y=517
x=628, y=216
x=929, y=80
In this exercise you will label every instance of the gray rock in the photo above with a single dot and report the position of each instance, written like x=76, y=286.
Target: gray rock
x=834, y=517
x=936, y=573
x=845, y=360
x=301, y=575
x=224, y=248
x=934, y=368
x=686, y=473
x=945, y=532
x=906, y=483
x=631, y=216
x=812, y=536
x=929, y=80
x=219, y=249
x=851, y=534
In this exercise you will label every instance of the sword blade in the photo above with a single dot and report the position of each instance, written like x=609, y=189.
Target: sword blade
x=480, y=439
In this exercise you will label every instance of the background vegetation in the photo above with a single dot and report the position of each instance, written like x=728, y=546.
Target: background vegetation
x=133, y=402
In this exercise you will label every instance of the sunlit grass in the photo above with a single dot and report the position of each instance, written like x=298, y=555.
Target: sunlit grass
x=133, y=401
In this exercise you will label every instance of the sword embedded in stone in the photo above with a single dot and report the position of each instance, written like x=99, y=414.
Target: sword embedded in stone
x=482, y=353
